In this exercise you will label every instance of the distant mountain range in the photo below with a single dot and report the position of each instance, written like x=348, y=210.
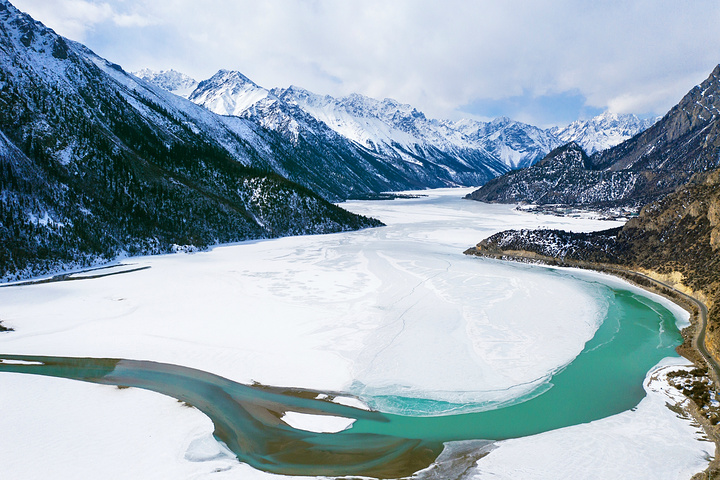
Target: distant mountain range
x=397, y=131
x=642, y=169
x=170, y=80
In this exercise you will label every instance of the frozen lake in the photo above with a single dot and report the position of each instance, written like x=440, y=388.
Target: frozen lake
x=389, y=312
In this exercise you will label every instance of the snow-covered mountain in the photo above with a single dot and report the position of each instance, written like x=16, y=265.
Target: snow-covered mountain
x=389, y=130
x=96, y=163
x=170, y=80
x=642, y=169
x=395, y=131
x=602, y=132
x=376, y=124
x=232, y=93
x=517, y=144
x=383, y=125
x=403, y=148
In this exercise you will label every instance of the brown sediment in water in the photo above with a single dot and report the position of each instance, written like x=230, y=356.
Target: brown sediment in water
x=247, y=418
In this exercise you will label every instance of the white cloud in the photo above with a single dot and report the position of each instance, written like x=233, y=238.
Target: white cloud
x=75, y=18
x=132, y=20
x=642, y=55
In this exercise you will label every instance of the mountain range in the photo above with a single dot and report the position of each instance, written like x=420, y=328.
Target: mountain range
x=642, y=169
x=393, y=130
x=603, y=131
x=97, y=163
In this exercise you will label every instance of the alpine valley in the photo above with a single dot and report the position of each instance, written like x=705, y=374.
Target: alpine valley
x=342, y=350
x=98, y=163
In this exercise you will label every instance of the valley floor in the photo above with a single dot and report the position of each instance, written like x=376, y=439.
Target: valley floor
x=375, y=312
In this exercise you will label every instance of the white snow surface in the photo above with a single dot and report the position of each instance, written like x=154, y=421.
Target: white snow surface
x=317, y=423
x=396, y=309
x=355, y=308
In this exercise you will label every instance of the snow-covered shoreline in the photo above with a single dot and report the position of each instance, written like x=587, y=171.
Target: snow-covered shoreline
x=317, y=312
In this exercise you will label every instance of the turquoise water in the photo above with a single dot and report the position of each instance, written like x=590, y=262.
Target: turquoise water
x=605, y=379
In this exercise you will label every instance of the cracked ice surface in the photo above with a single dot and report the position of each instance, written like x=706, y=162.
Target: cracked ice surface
x=393, y=310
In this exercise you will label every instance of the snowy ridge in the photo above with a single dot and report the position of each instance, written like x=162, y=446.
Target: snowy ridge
x=382, y=125
x=170, y=80
x=602, y=132
x=231, y=93
x=389, y=143
x=376, y=123
x=386, y=128
x=394, y=131
x=517, y=144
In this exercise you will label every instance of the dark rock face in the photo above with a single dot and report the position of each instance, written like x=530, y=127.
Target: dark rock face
x=94, y=164
x=643, y=169
x=565, y=177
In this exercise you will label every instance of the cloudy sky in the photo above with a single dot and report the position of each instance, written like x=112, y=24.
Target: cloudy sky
x=542, y=62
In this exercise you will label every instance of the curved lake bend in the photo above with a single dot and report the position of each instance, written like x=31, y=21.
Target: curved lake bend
x=605, y=379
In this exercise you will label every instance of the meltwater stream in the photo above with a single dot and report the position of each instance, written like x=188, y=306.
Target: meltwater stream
x=605, y=379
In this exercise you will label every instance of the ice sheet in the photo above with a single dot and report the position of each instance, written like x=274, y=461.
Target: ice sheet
x=317, y=423
x=390, y=310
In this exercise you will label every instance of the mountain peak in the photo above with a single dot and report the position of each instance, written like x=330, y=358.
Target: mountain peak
x=170, y=80
x=226, y=76
x=603, y=131
x=716, y=71
x=501, y=121
x=229, y=92
x=571, y=155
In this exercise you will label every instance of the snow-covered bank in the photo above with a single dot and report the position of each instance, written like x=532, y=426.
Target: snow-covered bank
x=391, y=310
x=650, y=441
x=65, y=429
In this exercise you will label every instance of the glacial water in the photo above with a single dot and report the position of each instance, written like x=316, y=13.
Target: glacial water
x=605, y=379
